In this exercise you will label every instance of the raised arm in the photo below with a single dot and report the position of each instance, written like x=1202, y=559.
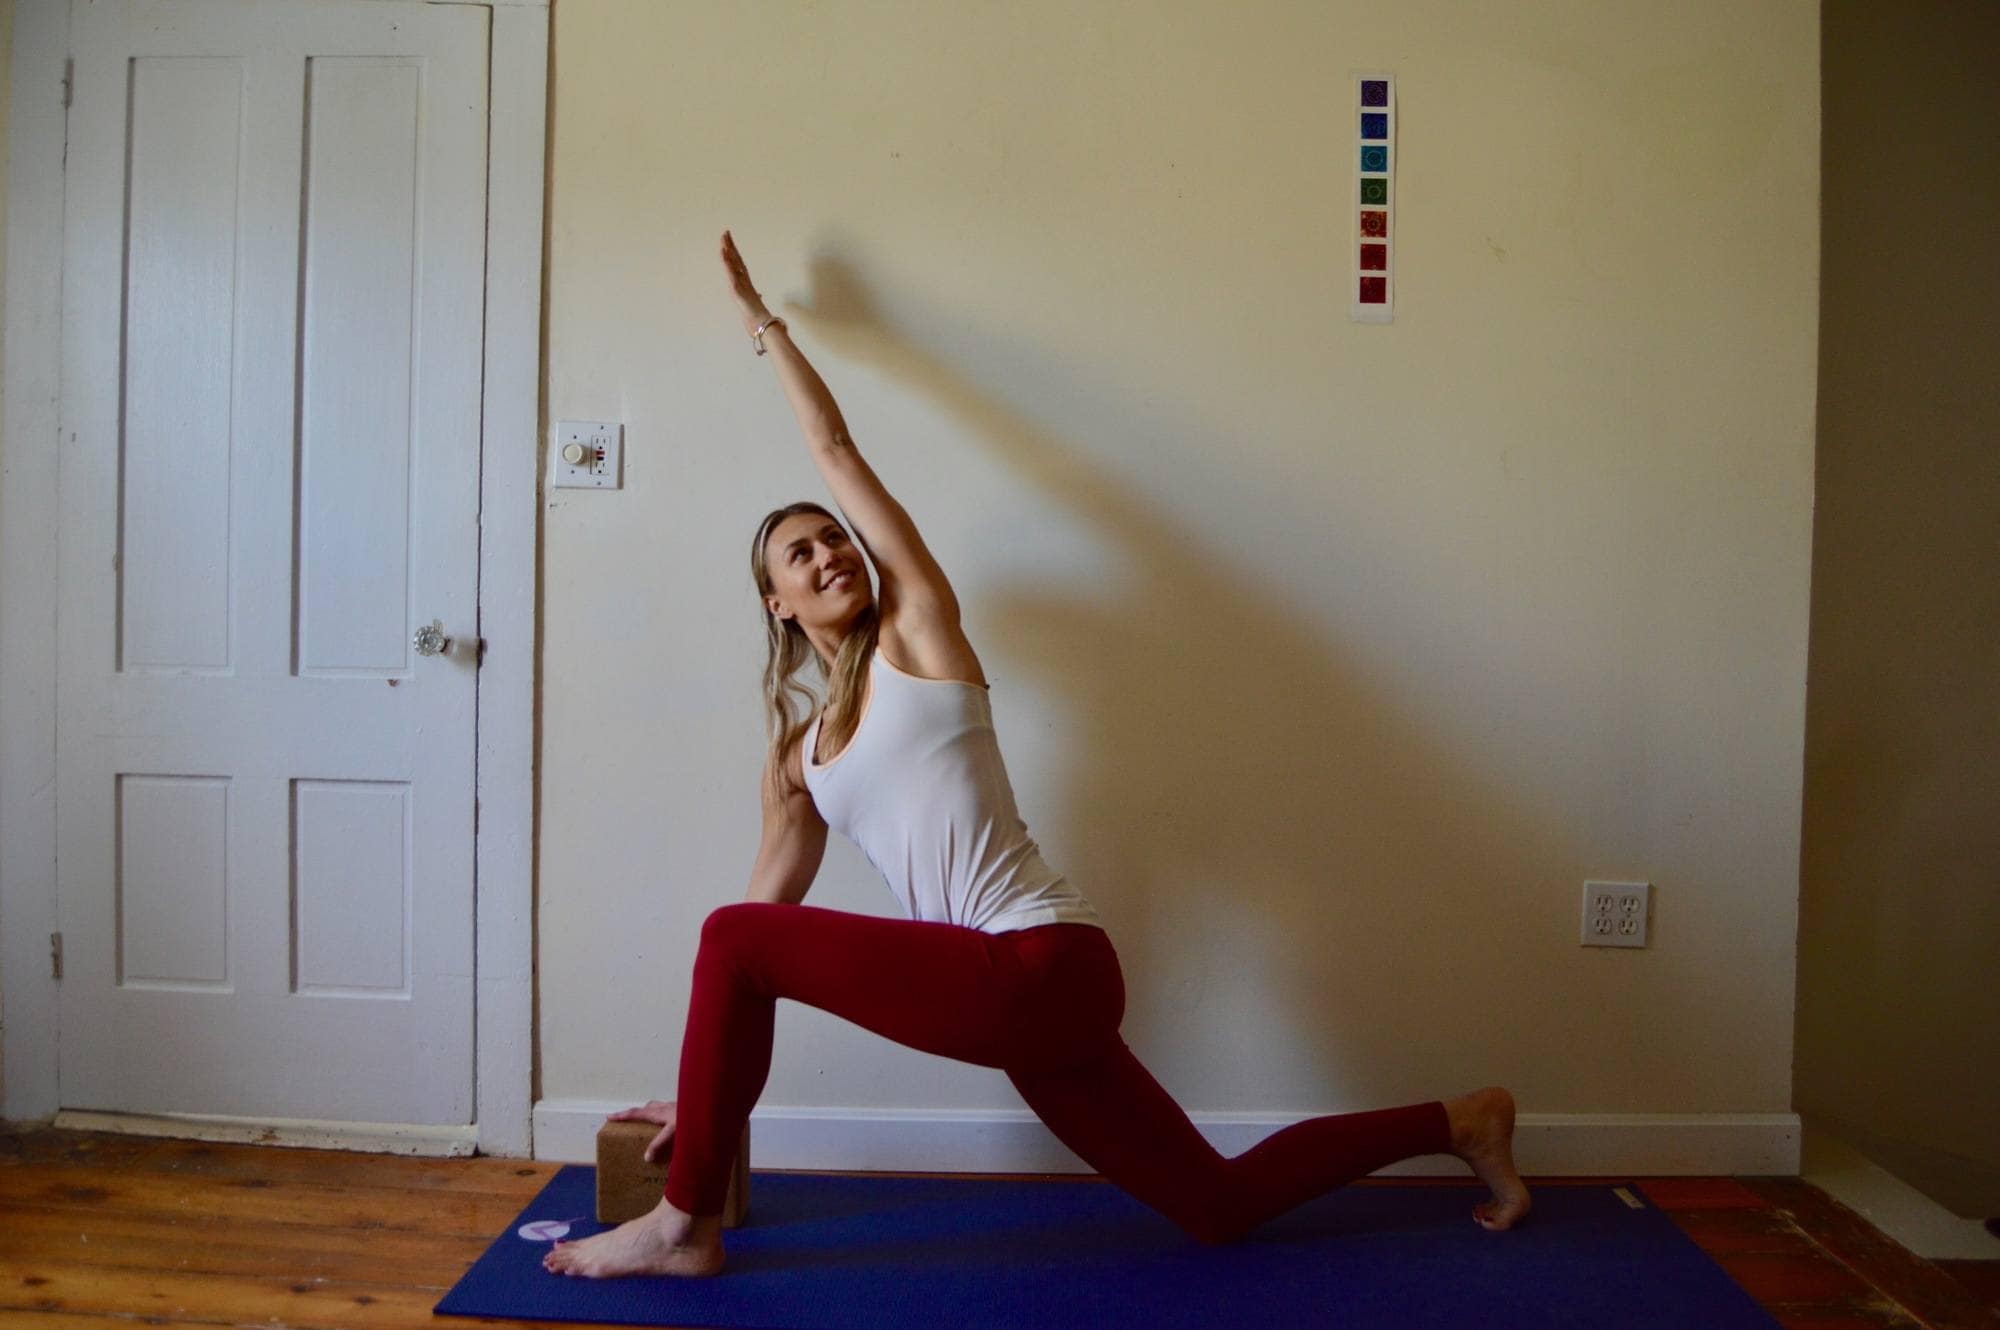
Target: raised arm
x=794, y=842
x=911, y=577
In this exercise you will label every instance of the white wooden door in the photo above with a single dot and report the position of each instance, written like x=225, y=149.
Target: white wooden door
x=273, y=252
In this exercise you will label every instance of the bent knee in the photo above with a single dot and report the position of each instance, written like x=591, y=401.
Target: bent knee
x=726, y=925
x=1215, y=1217
x=1213, y=1232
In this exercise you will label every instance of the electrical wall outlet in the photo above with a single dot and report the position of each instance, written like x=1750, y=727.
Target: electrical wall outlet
x=1614, y=913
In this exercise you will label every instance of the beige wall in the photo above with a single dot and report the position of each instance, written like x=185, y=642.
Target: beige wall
x=1899, y=931
x=1329, y=660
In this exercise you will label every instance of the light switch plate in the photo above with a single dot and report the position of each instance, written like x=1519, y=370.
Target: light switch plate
x=600, y=465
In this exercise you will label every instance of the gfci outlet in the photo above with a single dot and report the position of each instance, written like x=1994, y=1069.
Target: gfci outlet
x=587, y=454
x=1614, y=913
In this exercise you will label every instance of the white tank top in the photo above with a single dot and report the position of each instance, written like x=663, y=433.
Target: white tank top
x=920, y=787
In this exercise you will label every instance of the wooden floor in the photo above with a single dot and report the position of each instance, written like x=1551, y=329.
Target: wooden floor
x=98, y=1231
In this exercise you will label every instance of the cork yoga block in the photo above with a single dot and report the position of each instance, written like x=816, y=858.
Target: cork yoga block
x=628, y=1186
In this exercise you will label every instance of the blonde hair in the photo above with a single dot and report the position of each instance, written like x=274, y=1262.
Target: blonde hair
x=788, y=649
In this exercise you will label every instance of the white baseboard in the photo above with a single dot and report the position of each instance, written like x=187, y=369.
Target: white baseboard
x=374, y=1137
x=1889, y=1203
x=1015, y=1141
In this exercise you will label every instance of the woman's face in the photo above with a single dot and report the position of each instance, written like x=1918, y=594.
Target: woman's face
x=817, y=575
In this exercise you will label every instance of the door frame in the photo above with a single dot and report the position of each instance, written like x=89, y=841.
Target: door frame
x=510, y=434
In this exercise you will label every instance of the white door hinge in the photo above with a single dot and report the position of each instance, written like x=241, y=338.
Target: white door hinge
x=55, y=953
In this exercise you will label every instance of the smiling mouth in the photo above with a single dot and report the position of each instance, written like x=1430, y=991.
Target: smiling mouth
x=839, y=581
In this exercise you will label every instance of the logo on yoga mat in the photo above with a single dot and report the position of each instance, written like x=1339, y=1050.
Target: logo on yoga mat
x=545, y=1230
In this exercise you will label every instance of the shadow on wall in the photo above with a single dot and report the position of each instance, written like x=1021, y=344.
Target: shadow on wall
x=1235, y=781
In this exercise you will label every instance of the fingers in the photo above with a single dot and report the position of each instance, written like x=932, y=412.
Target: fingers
x=647, y=1112
x=733, y=260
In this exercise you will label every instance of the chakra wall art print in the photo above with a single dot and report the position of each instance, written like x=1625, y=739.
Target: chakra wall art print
x=1374, y=245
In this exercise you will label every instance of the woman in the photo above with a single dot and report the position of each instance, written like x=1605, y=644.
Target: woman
x=1002, y=962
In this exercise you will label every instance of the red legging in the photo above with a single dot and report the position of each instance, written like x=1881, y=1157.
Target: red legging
x=1043, y=1005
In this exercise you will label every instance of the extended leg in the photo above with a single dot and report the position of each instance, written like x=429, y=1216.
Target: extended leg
x=1124, y=1124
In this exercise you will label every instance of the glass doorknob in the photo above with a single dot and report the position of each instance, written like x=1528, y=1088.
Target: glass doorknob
x=430, y=639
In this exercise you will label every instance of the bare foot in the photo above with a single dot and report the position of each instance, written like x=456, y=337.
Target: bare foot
x=664, y=1241
x=1482, y=1134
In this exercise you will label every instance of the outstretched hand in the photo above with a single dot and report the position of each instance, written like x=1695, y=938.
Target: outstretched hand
x=659, y=1111
x=837, y=307
x=748, y=303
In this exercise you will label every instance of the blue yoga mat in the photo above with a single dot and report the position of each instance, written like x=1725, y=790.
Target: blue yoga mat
x=894, y=1253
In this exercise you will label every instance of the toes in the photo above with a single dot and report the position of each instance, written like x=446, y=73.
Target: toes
x=1497, y=1217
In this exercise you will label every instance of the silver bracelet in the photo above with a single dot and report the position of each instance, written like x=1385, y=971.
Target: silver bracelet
x=758, y=336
